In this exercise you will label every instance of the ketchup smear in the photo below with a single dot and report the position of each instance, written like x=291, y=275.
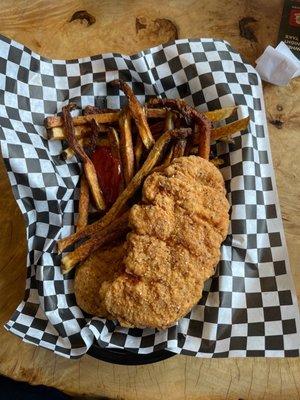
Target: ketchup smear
x=108, y=172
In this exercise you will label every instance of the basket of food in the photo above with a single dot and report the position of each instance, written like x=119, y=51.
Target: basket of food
x=152, y=220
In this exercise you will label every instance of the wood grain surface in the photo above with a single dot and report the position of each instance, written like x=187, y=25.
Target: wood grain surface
x=129, y=26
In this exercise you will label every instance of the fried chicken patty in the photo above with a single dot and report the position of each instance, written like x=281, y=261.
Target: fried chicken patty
x=101, y=268
x=174, y=245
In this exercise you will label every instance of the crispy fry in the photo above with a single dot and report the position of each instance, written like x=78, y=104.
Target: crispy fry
x=168, y=158
x=203, y=125
x=155, y=112
x=82, y=129
x=157, y=129
x=105, y=118
x=89, y=110
x=204, y=143
x=138, y=152
x=126, y=147
x=179, y=148
x=122, y=201
x=114, y=144
x=59, y=132
x=110, y=233
x=222, y=113
x=169, y=123
x=87, y=163
x=137, y=112
x=230, y=129
x=84, y=199
x=69, y=152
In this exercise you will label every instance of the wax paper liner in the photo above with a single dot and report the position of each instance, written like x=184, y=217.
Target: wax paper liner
x=249, y=307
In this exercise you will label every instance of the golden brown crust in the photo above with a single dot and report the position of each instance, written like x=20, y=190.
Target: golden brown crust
x=174, y=247
x=102, y=266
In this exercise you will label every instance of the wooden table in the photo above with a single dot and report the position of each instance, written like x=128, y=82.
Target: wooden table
x=128, y=26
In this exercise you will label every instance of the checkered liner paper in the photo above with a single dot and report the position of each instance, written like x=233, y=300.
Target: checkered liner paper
x=249, y=307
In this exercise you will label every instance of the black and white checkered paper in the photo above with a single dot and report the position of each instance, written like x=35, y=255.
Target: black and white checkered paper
x=249, y=307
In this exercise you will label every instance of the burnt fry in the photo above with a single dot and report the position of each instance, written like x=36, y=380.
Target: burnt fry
x=137, y=113
x=110, y=233
x=229, y=129
x=88, y=166
x=122, y=201
x=126, y=147
x=84, y=200
x=69, y=152
x=202, y=124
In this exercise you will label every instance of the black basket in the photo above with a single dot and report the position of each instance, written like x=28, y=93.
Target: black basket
x=123, y=357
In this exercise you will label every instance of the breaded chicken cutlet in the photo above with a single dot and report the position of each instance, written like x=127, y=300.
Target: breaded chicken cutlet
x=173, y=246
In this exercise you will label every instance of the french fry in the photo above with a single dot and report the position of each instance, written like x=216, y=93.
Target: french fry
x=229, y=129
x=69, y=152
x=105, y=118
x=168, y=158
x=179, y=148
x=202, y=124
x=110, y=233
x=114, y=144
x=137, y=113
x=157, y=129
x=222, y=113
x=138, y=152
x=110, y=116
x=122, y=201
x=88, y=166
x=81, y=131
x=126, y=147
x=58, y=133
x=169, y=123
x=84, y=199
x=89, y=110
x=204, y=142
x=155, y=112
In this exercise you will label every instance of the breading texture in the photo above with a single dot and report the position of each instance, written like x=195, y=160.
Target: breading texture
x=174, y=245
x=101, y=267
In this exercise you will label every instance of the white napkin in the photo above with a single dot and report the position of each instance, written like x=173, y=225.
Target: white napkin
x=278, y=66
